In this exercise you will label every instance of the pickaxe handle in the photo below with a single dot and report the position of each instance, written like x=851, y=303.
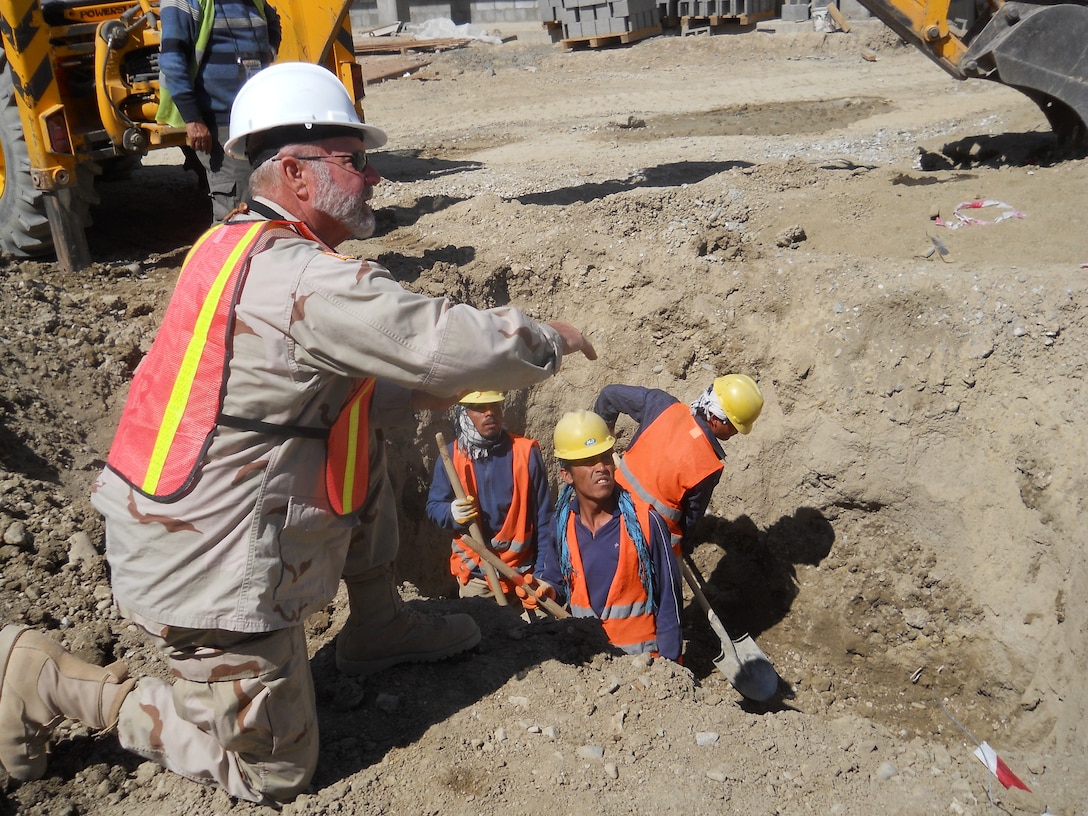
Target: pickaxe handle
x=490, y=574
x=474, y=540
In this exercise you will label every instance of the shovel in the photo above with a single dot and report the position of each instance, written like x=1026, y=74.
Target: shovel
x=742, y=662
x=492, y=564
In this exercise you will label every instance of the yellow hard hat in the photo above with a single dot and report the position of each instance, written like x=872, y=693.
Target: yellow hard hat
x=581, y=435
x=482, y=397
x=741, y=400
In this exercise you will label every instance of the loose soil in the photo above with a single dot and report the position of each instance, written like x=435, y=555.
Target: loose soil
x=903, y=532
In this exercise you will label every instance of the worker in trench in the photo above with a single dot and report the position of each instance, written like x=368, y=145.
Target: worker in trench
x=506, y=493
x=611, y=560
x=675, y=459
x=246, y=456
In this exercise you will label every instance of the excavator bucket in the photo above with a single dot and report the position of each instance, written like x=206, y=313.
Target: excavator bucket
x=1042, y=51
x=1038, y=48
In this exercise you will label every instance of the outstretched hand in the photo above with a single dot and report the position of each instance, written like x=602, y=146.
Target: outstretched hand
x=573, y=340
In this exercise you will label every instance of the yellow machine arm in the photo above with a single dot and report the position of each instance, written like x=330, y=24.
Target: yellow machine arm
x=1037, y=48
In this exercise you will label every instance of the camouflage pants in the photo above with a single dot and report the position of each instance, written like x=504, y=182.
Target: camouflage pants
x=240, y=711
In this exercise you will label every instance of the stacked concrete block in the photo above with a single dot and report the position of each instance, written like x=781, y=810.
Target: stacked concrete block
x=720, y=8
x=854, y=10
x=794, y=12
x=550, y=10
x=747, y=8
x=635, y=15
x=599, y=18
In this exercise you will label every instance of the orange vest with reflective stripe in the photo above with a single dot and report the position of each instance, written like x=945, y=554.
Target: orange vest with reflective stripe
x=671, y=456
x=347, y=453
x=512, y=542
x=176, y=396
x=628, y=619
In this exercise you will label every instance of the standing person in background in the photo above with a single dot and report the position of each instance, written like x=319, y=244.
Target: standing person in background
x=209, y=49
x=611, y=561
x=675, y=459
x=506, y=493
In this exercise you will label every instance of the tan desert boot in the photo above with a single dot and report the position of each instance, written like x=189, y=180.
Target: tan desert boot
x=381, y=632
x=42, y=684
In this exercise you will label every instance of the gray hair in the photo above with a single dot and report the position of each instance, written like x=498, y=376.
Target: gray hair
x=263, y=179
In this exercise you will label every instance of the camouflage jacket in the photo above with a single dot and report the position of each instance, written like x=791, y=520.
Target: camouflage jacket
x=254, y=546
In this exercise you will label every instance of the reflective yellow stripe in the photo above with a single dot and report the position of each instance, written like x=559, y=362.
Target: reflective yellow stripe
x=346, y=503
x=183, y=384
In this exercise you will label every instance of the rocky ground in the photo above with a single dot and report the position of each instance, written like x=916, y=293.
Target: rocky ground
x=902, y=532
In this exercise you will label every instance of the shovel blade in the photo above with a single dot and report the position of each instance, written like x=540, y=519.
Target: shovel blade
x=748, y=669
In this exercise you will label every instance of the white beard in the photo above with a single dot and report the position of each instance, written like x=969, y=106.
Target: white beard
x=352, y=212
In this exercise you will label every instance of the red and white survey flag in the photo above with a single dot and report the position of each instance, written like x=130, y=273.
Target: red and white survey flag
x=988, y=757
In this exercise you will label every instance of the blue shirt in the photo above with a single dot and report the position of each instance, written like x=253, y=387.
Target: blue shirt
x=600, y=553
x=495, y=489
x=644, y=405
x=239, y=33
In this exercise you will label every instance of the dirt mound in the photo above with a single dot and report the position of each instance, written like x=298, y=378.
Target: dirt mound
x=902, y=531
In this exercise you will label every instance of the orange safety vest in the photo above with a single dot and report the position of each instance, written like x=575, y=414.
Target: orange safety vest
x=176, y=397
x=513, y=542
x=671, y=456
x=628, y=617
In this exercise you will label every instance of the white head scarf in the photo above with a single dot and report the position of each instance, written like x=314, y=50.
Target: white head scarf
x=709, y=403
x=472, y=442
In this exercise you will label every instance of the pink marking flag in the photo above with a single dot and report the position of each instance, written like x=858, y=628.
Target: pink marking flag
x=988, y=757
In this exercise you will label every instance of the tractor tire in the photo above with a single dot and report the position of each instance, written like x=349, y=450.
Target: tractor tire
x=24, y=227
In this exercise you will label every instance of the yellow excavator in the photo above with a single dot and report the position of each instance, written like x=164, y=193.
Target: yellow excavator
x=1038, y=48
x=79, y=88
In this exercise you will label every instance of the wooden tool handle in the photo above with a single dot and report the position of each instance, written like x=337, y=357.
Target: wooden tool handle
x=476, y=543
x=490, y=575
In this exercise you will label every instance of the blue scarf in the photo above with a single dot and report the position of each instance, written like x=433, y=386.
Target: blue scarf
x=563, y=509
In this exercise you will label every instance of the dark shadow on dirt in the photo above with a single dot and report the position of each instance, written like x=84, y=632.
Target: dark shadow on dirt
x=673, y=174
x=85, y=757
x=753, y=584
x=407, y=269
x=17, y=456
x=153, y=209
x=361, y=722
x=392, y=218
x=409, y=165
x=1031, y=149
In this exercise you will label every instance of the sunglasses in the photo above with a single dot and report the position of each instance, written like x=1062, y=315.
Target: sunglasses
x=358, y=159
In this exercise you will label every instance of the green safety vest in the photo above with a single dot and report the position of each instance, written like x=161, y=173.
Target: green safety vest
x=168, y=113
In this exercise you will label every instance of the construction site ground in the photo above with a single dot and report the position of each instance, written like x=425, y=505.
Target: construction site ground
x=903, y=532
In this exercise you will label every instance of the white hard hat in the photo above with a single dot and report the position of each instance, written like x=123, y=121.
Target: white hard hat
x=304, y=97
